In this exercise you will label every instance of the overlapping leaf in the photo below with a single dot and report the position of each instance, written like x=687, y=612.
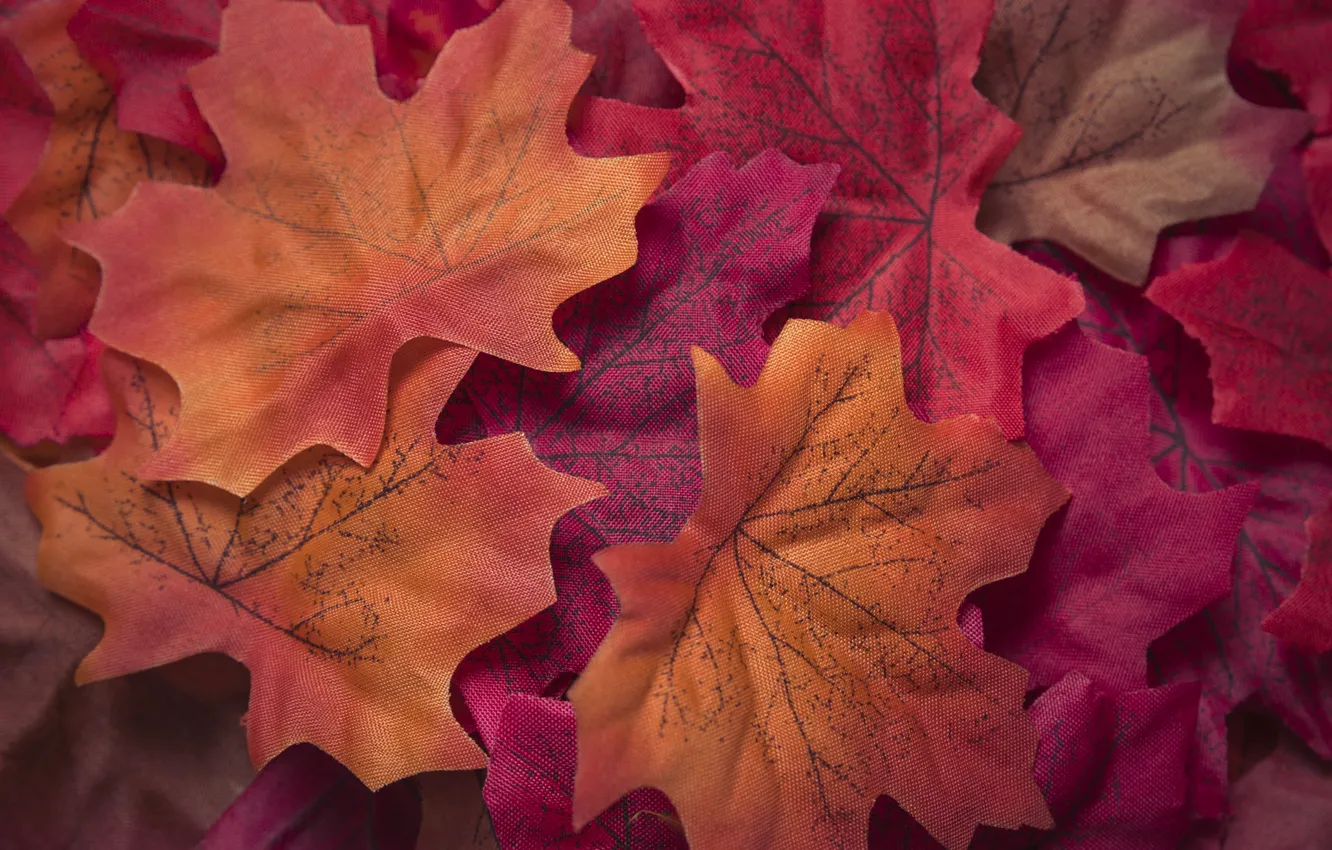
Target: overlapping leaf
x=530, y=783
x=1111, y=765
x=627, y=67
x=305, y=800
x=794, y=652
x=1225, y=647
x=142, y=763
x=351, y=594
x=49, y=389
x=1129, y=124
x=1305, y=617
x=1262, y=316
x=1129, y=558
x=719, y=252
x=88, y=168
x=146, y=48
x=884, y=90
x=346, y=224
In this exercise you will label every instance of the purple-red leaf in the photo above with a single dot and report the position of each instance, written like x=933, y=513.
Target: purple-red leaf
x=529, y=789
x=1128, y=558
x=305, y=800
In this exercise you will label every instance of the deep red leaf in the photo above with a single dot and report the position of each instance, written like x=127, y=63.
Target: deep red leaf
x=884, y=89
x=305, y=800
x=1111, y=766
x=1129, y=557
x=49, y=389
x=529, y=789
x=1262, y=316
x=1305, y=618
x=1224, y=647
x=717, y=255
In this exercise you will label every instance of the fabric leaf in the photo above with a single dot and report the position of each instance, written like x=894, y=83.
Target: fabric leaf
x=627, y=68
x=49, y=389
x=346, y=224
x=795, y=652
x=719, y=252
x=1111, y=765
x=530, y=782
x=145, y=47
x=884, y=90
x=305, y=800
x=350, y=594
x=1305, y=617
x=1224, y=647
x=88, y=168
x=1262, y=315
x=1283, y=803
x=25, y=113
x=1128, y=122
x=145, y=762
x=1129, y=558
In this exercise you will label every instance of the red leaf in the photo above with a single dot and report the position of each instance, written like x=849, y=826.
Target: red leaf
x=529, y=789
x=1305, y=618
x=305, y=800
x=1111, y=766
x=627, y=67
x=25, y=113
x=1263, y=317
x=1224, y=647
x=49, y=389
x=883, y=89
x=145, y=47
x=1130, y=557
x=1291, y=38
x=717, y=255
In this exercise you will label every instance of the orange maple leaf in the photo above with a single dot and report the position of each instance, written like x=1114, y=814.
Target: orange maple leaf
x=347, y=223
x=350, y=594
x=794, y=652
x=88, y=169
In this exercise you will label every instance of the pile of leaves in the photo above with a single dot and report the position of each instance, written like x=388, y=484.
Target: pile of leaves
x=643, y=424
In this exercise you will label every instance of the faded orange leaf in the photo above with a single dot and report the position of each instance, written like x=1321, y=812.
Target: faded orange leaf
x=88, y=169
x=794, y=652
x=350, y=594
x=347, y=223
x=1129, y=124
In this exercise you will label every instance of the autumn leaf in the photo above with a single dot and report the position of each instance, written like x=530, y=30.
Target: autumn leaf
x=140, y=763
x=1224, y=647
x=347, y=224
x=146, y=47
x=627, y=68
x=1284, y=803
x=305, y=800
x=719, y=252
x=1261, y=314
x=1129, y=125
x=1111, y=764
x=49, y=389
x=1130, y=557
x=25, y=113
x=1291, y=38
x=1305, y=617
x=530, y=783
x=884, y=90
x=88, y=168
x=350, y=594
x=794, y=652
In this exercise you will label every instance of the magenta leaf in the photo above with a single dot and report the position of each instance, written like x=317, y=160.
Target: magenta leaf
x=529, y=789
x=1129, y=557
x=305, y=800
x=1224, y=647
